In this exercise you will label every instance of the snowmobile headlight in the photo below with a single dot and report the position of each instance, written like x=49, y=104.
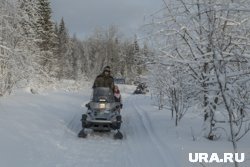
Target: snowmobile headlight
x=102, y=100
x=102, y=105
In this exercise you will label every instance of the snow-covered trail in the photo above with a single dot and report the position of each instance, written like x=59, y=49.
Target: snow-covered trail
x=143, y=145
x=41, y=131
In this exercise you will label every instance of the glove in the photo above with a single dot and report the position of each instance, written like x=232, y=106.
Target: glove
x=88, y=106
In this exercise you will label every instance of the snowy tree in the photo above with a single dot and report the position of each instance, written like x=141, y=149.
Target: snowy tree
x=79, y=59
x=63, y=53
x=28, y=14
x=19, y=51
x=46, y=34
x=106, y=47
x=210, y=38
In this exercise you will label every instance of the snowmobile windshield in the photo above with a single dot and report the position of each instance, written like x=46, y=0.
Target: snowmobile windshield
x=102, y=94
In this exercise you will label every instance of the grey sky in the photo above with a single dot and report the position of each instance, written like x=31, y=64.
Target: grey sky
x=83, y=16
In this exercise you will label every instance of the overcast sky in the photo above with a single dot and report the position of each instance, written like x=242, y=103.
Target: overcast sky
x=83, y=16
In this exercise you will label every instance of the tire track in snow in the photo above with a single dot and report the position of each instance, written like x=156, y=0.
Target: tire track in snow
x=149, y=134
x=160, y=146
x=140, y=151
x=74, y=123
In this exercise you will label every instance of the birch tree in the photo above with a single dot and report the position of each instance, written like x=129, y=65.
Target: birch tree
x=211, y=39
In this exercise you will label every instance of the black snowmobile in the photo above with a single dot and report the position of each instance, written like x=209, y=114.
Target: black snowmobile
x=103, y=113
x=141, y=89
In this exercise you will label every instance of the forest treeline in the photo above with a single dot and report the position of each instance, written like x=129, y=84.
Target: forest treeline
x=36, y=50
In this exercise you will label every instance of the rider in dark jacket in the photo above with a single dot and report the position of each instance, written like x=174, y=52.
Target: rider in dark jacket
x=104, y=79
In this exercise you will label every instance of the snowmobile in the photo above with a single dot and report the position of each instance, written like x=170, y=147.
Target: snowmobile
x=141, y=89
x=103, y=113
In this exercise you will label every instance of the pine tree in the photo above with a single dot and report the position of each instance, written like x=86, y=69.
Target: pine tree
x=46, y=34
x=136, y=45
x=65, y=55
x=62, y=42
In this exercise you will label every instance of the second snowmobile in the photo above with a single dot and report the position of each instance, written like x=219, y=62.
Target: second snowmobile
x=141, y=89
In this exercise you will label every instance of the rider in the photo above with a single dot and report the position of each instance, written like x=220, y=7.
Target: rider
x=104, y=79
x=117, y=95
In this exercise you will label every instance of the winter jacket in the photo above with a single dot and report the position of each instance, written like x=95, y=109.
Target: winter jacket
x=117, y=96
x=104, y=81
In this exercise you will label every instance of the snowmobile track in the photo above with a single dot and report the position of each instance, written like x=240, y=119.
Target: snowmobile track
x=159, y=146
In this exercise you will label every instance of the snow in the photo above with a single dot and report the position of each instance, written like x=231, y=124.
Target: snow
x=40, y=130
